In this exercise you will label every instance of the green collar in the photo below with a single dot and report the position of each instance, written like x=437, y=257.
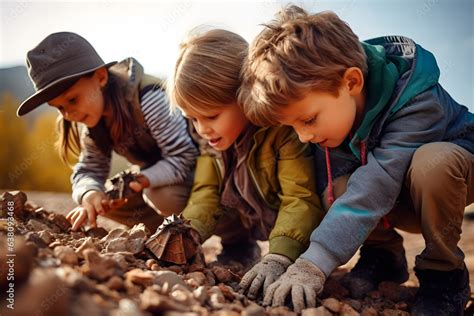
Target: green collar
x=380, y=82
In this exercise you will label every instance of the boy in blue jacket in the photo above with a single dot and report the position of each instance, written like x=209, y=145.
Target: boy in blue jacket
x=394, y=150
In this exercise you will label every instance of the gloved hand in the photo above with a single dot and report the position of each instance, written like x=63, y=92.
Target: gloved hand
x=264, y=273
x=303, y=280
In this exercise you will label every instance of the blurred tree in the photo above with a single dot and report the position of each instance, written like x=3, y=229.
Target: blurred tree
x=14, y=167
x=29, y=160
x=50, y=173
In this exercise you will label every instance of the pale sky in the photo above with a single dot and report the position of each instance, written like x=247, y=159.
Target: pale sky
x=151, y=31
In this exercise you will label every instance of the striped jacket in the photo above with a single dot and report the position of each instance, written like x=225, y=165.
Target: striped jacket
x=177, y=152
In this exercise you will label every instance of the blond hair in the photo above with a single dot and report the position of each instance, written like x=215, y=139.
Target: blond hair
x=207, y=72
x=296, y=53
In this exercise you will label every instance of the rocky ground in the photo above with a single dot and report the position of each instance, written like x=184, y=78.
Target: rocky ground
x=108, y=271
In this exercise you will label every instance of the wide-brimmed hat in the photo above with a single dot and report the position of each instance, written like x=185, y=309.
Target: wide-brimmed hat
x=56, y=64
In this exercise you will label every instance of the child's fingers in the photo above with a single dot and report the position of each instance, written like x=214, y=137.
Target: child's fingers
x=105, y=206
x=99, y=209
x=117, y=203
x=91, y=216
x=70, y=214
x=80, y=218
x=135, y=186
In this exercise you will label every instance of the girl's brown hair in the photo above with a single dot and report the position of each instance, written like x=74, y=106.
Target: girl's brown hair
x=207, y=72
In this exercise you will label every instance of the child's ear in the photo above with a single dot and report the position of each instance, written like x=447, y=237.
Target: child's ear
x=102, y=75
x=354, y=80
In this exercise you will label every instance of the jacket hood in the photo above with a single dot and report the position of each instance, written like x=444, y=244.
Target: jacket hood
x=398, y=70
x=131, y=72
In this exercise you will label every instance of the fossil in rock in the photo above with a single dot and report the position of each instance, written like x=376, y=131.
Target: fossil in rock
x=175, y=241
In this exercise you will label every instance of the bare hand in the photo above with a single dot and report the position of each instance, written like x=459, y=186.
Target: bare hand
x=141, y=183
x=78, y=216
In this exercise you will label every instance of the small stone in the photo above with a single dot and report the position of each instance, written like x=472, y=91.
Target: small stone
x=86, y=244
x=211, y=278
x=115, y=283
x=332, y=305
x=126, y=307
x=46, y=236
x=75, y=280
x=281, y=311
x=168, y=277
x=36, y=239
x=357, y=305
x=115, y=233
x=390, y=290
x=182, y=295
x=227, y=292
x=402, y=306
x=155, y=303
x=150, y=262
x=136, y=245
x=347, y=310
x=198, y=277
x=60, y=221
x=175, y=269
x=54, y=244
x=333, y=288
x=226, y=312
x=394, y=312
x=254, y=310
x=369, y=311
x=173, y=313
x=216, y=298
x=140, y=277
x=319, y=311
x=200, y=294
x=138, y=231
x=38, y=226
x=66, y=254
x=97, y=267
x=125, y=243
x=97, y=232
x=222, y=274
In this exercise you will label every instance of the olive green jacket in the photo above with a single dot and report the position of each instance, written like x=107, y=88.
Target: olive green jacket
x=282, y=169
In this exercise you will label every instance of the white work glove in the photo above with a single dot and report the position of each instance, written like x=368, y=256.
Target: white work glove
x=264, y=273
x=303, y=280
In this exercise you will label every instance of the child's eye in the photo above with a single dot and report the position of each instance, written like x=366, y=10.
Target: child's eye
x=72, y=101
x=213, y=117
x=310, y=121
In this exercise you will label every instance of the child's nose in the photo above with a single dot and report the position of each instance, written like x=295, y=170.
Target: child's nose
x=305, y=137
x=203, y=129
x=70, y=115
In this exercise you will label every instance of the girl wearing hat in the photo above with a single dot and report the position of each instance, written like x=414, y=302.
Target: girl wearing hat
x=112, y=107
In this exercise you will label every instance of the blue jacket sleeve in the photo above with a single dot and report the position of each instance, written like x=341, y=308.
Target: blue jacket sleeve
x=372, y=189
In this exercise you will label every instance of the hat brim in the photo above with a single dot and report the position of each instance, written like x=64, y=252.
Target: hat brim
x=52, y=90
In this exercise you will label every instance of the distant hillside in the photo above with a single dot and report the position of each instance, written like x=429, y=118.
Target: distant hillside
x=15, y=81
